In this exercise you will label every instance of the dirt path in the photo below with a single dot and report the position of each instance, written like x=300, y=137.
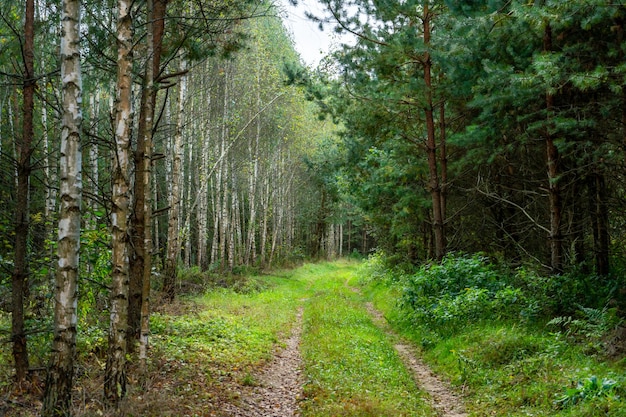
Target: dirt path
x=275, y=391
x=443, y=399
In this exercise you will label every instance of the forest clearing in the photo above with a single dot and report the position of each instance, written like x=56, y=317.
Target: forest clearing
x=174, y=179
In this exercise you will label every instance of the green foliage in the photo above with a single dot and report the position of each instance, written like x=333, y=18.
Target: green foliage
x=460, y=290
x=563, y=294
x=590, y=327
x=375, y=270
x=468, y=288
x=590, y=388
x=512, y=367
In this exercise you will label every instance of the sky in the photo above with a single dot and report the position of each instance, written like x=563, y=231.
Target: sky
x=310, y=42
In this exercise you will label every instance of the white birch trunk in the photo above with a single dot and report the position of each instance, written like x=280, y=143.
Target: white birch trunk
x=189, y=201
x=223, y=175
x=50, y=170
x=203, y=195
x=115, y=372
x=217, y=209
x=93, y=149
x=59, y=381
x=265, y=219
x=253, y=150
x=173, y=248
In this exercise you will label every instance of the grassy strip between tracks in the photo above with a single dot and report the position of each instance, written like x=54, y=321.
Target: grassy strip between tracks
x=351, y=367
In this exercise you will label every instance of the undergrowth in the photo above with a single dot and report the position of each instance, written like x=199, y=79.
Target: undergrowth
x=514, y=342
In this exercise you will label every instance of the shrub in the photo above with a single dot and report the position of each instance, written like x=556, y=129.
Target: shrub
x=590, y=326
x=460, y=290
x=376, y=269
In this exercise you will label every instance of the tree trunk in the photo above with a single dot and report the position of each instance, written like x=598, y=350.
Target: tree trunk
x=253, y=150
x=141, y=261
x=431, y=145
x=232, y=226
x=601, y=221
x=189, y=206
x=50, y=169
x=223, y=175
x=554, y=192
x=173, y=248
x=443, y=162
x=115, y=371
x=203, y=192
x=265, y=220
x=59, y=380
x=19, y=279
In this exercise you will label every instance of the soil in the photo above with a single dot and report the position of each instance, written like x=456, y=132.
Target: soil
x=276, y=389
x=443, y=399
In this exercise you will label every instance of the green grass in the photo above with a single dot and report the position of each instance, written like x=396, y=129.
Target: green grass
x=506, y=368
x=230, y=329
x=352, y=368
x=203, y=348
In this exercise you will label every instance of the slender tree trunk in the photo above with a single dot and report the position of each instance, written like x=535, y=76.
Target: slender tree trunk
x=223, y=176
x=340, y=243
x=253, y=150
x=554, y=192
x=156, y=232
x=12, y=124
x=349, y=237
x=50, y=168
x=19, y=278
x=50, y=173
x=115, y=371
x=443, y=162
x=265, y=219
x=232, y=222
x=187, y=224
x=601, y=221
x=203, y=193
x=141, y=262
x=59, y=379
x=173, y=248
x=431, y=145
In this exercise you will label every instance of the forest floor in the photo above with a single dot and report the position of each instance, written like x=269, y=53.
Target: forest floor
x=296, y=343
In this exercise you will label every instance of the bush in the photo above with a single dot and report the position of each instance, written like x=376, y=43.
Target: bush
x=563, y=294
x=376, y=270
x=460, y=290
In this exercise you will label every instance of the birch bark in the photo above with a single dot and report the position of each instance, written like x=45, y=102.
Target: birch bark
x=173, y=247
x=115, y=371
x=59, y=379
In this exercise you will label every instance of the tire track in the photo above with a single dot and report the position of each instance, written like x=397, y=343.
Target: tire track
x=443, y=399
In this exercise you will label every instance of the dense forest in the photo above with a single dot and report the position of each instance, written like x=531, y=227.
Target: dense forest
x=149, y=147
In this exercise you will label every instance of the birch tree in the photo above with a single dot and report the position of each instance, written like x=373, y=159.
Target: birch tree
x=59, y=379
x=173, y=246
x=115, y=371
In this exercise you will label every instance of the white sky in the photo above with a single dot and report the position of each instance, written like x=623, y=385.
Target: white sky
x=310, y=42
